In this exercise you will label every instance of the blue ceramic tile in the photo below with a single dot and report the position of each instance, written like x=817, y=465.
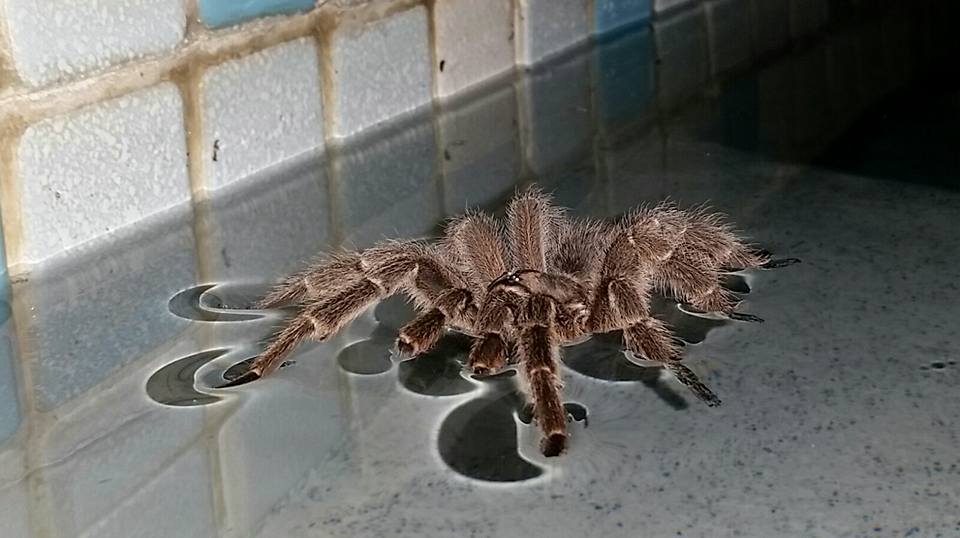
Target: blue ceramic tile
x=625, y=79
x=612, y=14
x=9, y=405
x=4, y=281
x=219, y=13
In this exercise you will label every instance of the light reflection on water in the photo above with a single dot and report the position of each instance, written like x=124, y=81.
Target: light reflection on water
x=832, y=393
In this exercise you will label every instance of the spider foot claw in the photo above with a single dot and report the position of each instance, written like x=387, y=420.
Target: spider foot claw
x=705, y=395
x=405, y=348
x=712, y=400
x=739, y=316
x=246, y=377
x=553, y=444
x=481, y=370
x=777, y=264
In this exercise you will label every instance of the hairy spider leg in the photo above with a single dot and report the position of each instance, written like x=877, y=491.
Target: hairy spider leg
x=453, y=305
x=438, y=288
x=539, y=357
x=476, y=242
x=497, y=313
x=407, y=267
x=532, y=225
x=321, y=279
x=621, y=302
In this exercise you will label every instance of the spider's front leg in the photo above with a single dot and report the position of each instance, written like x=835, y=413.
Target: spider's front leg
x=489, y=351
x=539, y=356
x=377, y=273
x=452, y=305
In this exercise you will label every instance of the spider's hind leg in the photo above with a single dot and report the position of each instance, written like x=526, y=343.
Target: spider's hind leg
x=650, y=339
x=373, y=274
x=490, y=350
x=318, y=320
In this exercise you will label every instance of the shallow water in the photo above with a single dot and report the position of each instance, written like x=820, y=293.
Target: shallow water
x=840, y=413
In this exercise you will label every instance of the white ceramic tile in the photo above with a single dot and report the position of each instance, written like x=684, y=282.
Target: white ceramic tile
x=474, y=41
x=681, y=43
x=178, y=502
x=101, y=168
x=728, y=27
x=808, y=16
x=547, y=27
x=481, y=151
x=52, y=41
x=76, y=339
x=380, y=71
x=269, y=226
x=261, y=460
x=14, y=492
x=663, y=6
x=555, y=110
x=771, y=25
x=107, y=450
x=261, y=110
x=642, y=160
x=387, y=188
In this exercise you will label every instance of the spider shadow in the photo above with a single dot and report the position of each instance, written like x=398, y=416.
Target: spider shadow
x=602, y=357
x=217, y=302
x=479, y=438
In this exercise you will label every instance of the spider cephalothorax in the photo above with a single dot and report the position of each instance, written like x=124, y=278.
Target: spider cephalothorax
x=529, y=284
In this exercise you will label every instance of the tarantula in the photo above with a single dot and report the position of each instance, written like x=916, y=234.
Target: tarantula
x=525, y=286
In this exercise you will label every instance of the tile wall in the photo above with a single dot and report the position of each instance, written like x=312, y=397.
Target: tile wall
x=115, y=114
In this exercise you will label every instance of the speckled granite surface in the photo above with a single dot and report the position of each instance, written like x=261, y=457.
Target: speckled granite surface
x=840, y=413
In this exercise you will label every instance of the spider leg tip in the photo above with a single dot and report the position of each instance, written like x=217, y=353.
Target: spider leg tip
x=247, y=377
x=553, y=445
x=779, y=263
x=481, y=370
x=750, y=318
x=406, y=348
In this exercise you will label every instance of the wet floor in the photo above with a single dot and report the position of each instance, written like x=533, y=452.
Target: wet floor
x=841, y=412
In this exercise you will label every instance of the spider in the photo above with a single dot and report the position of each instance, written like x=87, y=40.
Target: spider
x=526, y=285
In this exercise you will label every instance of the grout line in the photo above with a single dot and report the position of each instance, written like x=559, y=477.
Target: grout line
x=188, y=81
x=439, y=175
x=192, y=12
x=332, y=150
x=10, y=195
x=29, y=105
x=8, y=71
